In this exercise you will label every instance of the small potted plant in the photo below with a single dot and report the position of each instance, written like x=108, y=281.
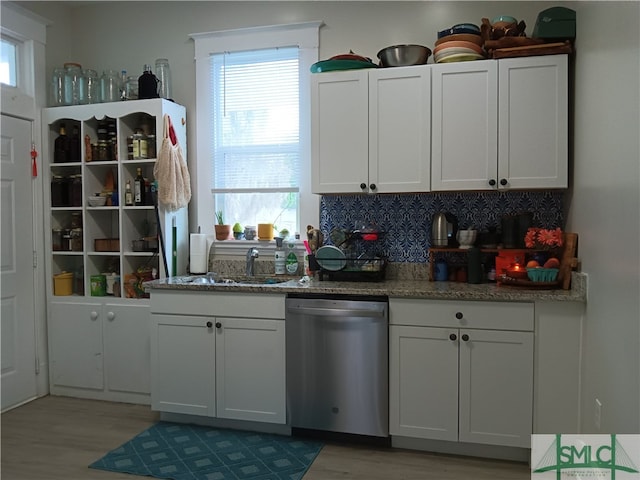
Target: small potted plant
x=237, y=231
x=223, y=231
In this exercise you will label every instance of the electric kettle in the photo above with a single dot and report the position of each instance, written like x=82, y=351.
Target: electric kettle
x=444, y=228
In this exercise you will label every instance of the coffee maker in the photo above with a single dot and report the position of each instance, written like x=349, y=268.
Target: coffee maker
x=444, y=229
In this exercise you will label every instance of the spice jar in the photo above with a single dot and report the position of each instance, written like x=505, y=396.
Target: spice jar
x=76, y=220
x=56, y=239
x=76, y=239
x=103, y=150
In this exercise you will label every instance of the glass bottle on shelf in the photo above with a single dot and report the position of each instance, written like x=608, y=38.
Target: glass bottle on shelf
x=109, y=86
x=74, y=145
x=61, y=146
x=57, y=87
x=128, y=194
x=72, y=83
x=163, y=73
x=139, y=188
x=90, y=90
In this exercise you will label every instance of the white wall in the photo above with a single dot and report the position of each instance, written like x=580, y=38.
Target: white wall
x=604, y=201
x=604, y=208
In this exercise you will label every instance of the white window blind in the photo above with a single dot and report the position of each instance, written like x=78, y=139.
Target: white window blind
x=255, y=106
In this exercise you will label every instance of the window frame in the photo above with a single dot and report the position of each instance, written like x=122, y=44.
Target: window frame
x=306, y=37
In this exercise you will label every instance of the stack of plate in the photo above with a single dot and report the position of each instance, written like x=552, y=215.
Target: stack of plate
x=461, y=43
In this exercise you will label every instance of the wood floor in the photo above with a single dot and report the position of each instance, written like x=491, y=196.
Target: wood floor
x=56, y=438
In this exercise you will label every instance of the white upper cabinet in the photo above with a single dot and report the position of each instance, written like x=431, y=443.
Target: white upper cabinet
x=399, y=129
x=500, y=124
x=339, y=131
x=371, y=130
x=533, y=122
x=464, y=150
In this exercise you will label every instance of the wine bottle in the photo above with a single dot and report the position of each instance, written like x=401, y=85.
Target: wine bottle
x=139, y=188
x=61, y=146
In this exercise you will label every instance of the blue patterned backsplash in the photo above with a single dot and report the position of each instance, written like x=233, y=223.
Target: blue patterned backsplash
x=406, y=219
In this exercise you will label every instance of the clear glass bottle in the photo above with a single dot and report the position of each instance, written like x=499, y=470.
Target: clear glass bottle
x=109, y=86
x=57, y=87
x=72, y=83
x=163, y=74
x=90, y=87
x=131, y=88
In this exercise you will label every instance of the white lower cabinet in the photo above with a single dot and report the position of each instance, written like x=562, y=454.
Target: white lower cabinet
x=221, y=364
x=100, y=350
x=457, y=374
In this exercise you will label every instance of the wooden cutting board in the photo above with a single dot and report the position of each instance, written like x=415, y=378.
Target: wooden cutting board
x=568, y=261
x=533, y=50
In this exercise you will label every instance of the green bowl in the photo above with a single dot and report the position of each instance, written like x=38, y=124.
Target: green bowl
x=542, y=274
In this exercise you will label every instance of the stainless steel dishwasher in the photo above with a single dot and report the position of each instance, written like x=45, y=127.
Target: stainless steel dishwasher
x=337, y=364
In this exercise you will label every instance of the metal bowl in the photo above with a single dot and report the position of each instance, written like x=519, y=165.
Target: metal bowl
x=403, y=55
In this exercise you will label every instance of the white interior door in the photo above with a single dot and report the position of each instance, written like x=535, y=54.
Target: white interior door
x=17, y=287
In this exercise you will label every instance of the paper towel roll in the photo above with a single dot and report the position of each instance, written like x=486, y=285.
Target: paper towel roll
x=199, y=252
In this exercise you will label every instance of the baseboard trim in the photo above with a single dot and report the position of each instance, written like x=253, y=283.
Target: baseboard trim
x=514, y=454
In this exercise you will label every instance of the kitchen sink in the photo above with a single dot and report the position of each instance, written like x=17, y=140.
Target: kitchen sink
x=238, y=280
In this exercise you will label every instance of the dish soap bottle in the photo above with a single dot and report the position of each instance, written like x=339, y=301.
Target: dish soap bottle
x=279, y=257
x=292, y=261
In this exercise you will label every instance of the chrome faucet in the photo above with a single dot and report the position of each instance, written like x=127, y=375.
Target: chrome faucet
x=252, y=254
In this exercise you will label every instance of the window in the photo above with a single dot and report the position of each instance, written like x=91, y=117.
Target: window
x=255, y=140
x=253, y=126
x=8, y=63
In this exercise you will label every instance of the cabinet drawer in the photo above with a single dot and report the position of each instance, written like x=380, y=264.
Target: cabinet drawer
x=232, y=304
x=461, y=314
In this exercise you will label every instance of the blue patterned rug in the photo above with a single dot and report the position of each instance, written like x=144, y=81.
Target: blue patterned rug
x=190, y=452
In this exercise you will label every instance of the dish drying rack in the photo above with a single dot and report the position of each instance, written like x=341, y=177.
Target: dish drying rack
x=363, y=260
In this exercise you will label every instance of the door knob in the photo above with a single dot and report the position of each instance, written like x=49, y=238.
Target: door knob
x=209, y=324
x=453, y=337
x=218, y=325
x=503, y=181
x=372, y=186
x=363, y=186
x=492, y=182
x=465, y=337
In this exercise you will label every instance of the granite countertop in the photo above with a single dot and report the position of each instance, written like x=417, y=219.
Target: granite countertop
x=393, y=288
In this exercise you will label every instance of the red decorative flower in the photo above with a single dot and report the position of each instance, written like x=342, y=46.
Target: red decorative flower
x=543, y=239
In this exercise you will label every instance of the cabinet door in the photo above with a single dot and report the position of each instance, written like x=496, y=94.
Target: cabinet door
x=400, y=129
x=250, y=374
x=496, y=387
x=126, y=348
x=533, y=127
x=75, y=346
x=183, y=364
x=423, y=375
x=339, y=132
x=464, y=121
